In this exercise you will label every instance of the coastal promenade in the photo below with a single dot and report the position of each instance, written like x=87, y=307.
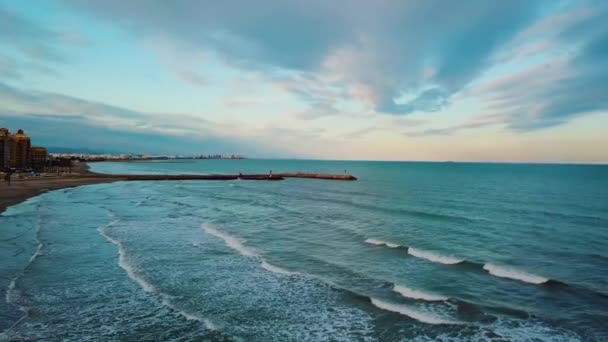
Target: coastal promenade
x=22, y=189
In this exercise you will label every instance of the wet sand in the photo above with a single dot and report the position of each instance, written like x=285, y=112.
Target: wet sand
x=22, y=189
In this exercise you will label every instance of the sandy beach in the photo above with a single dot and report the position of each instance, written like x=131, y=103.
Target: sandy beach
x=22, y=189
x=26, y=187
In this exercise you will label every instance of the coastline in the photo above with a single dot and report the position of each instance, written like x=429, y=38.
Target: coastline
x=22, y=189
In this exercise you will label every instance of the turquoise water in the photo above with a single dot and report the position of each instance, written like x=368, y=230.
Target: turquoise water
x=410, y=251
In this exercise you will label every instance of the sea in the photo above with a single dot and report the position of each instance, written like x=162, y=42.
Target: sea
x=411, y=251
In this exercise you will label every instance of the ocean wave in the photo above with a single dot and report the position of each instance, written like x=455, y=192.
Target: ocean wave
x=124, y=264
x=237, y=245
x=276, y=269
x=434, y=257
x=511, y=273
x=382, y=243
x=12, y=294
x=229, y=240
x=421, y=316
x=134, y=275
x=188, y=315
x=417, y=294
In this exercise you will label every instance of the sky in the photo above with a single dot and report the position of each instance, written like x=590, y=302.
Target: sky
x=471, y=80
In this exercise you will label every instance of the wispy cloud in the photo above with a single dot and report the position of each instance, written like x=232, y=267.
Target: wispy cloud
x=562, y=87
x=389, y=52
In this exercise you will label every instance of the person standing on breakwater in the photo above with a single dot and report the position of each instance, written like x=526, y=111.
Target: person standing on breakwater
x=270, y=174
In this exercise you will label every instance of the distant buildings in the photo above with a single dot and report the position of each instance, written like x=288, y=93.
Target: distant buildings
x=39, y=157
x=137, y=157
x=16, y=151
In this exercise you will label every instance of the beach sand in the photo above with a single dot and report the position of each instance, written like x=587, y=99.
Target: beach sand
x=22, y=189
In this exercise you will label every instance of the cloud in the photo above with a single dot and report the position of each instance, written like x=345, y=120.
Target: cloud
x=477, y=122
x=389, y=53
x=46, y=107
x=562, y=87
x=32, y=40
x=65, y=121
x=191, y=77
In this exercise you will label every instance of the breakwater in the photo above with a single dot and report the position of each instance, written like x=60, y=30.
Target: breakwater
x=278, y=176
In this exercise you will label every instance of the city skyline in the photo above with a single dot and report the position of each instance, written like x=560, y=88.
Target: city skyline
x=522, y=81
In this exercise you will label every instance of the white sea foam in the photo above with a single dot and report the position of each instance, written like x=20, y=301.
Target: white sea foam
x=12, y=293
x=276, y=269
x=124, y=264
x=434, y=257
x=134, y=275
x=237, y=245
x=37, y=253
x=507, y=272
x=187, y=315
x=417, y=294
x=229, y=240
x=381, y=243
x=421, y=316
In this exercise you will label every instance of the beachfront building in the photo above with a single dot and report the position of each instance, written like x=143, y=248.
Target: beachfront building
x=19, y=146
x=39, y=157
x=5, y=152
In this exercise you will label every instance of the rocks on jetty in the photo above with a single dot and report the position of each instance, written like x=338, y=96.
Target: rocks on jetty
x=279, y=176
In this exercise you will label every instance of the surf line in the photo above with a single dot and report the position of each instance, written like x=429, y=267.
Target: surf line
x=12, y=286
x=237, y=245
x=490, y=268
x=405, y=310
x=148, y=287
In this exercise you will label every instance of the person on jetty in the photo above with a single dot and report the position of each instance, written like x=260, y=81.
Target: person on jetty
x=270, y=174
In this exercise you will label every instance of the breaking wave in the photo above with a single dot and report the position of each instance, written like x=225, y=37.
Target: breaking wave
x=382, y=243
x=434, y=257
x=276, y=269
x=134, y=275
x=421, y=316
x=123, y=263
x=230, y=240
x=12, y=294
x=511, y=273
x=417, y=294
x=237, y=245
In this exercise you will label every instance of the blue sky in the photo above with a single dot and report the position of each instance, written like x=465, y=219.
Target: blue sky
x=389, y=79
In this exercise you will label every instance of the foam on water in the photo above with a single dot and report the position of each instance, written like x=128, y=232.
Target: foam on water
x=12, y=293
x=134, y=275
x=237, y=245
x=420, y=316
x=229, y=240
x=124, y=264
x=20, y=208
x=434, y=257
x=417, y=294
x=276, y=269
x=511, y=273
x=382, y=243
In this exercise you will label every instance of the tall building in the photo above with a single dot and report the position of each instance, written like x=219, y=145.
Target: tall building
x=19, y=150
x=38, y=157
x=5, y=152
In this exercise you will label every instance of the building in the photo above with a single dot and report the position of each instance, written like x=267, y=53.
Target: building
x=5, y=152
x=38, y=157
x=19, y=146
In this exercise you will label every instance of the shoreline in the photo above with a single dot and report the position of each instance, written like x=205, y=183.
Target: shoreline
x=23, y=189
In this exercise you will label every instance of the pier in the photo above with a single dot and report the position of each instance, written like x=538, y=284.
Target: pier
x=260, y=177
